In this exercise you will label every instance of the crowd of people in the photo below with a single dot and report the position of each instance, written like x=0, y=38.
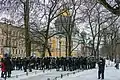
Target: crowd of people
x=59, y=63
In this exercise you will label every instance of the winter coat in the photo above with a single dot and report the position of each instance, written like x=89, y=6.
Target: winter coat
x=3, y=69
x=101, y=65
x=8, y=64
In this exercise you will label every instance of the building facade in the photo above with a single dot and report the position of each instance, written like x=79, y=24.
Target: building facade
x=12, y=40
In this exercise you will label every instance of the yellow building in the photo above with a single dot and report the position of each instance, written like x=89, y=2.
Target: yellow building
x=57, y=46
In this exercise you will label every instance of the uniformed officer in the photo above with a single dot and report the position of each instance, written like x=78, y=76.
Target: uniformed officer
x=101, y=66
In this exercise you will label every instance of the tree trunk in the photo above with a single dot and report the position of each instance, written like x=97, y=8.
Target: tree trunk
x=26, y=24
x=97, y=56
x=49, y=52
x=46, y=37
x=44, y=49
x=66, y=46
x=69, y=45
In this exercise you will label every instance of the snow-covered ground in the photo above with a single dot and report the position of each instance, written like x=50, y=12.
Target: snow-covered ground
x=36, y=75
x=109, y=63
x=110, y=74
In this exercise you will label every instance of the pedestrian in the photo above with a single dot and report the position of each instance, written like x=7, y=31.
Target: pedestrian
x=3, y=69
x=8, y=64
x=25, y=64
x=101, y=68
x=117, y=65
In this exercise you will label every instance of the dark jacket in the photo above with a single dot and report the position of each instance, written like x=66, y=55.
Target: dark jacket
x=8, y=64
x=101, y=65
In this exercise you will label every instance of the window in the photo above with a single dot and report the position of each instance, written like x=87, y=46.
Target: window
x=15, y=43
x=16, y=51
x=14, y=33
x=1, y=50
x=22, y=51
x=13, y=51
x=19, y=51
x=0, y=41
x=0, y=31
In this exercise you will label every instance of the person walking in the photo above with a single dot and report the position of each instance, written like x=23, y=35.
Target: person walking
x=117, y=65
x=8, y=64
x=101, y=68
x=3, y=69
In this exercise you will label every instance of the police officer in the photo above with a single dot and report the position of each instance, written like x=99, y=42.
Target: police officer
x=8, y=64
x=101, y=66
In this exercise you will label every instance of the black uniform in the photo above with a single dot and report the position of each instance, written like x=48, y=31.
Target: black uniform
x=101, y=65
x=8, y=64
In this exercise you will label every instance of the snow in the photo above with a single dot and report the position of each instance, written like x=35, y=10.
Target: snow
x=50, y=75
x=20, y=74
x=109, y=63
x=111, y=73
x=36, y=74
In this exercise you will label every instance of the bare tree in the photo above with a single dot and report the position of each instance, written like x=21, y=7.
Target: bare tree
x=113, y=6
x=97, y=17
x=67, y=22
x=45, y=26
x=111, y=41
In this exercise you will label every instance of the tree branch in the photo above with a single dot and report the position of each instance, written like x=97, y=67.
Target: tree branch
x=115, y=11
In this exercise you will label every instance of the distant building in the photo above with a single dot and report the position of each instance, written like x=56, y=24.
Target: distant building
x=12, y=40
x=86, y=50
x=12, y=43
